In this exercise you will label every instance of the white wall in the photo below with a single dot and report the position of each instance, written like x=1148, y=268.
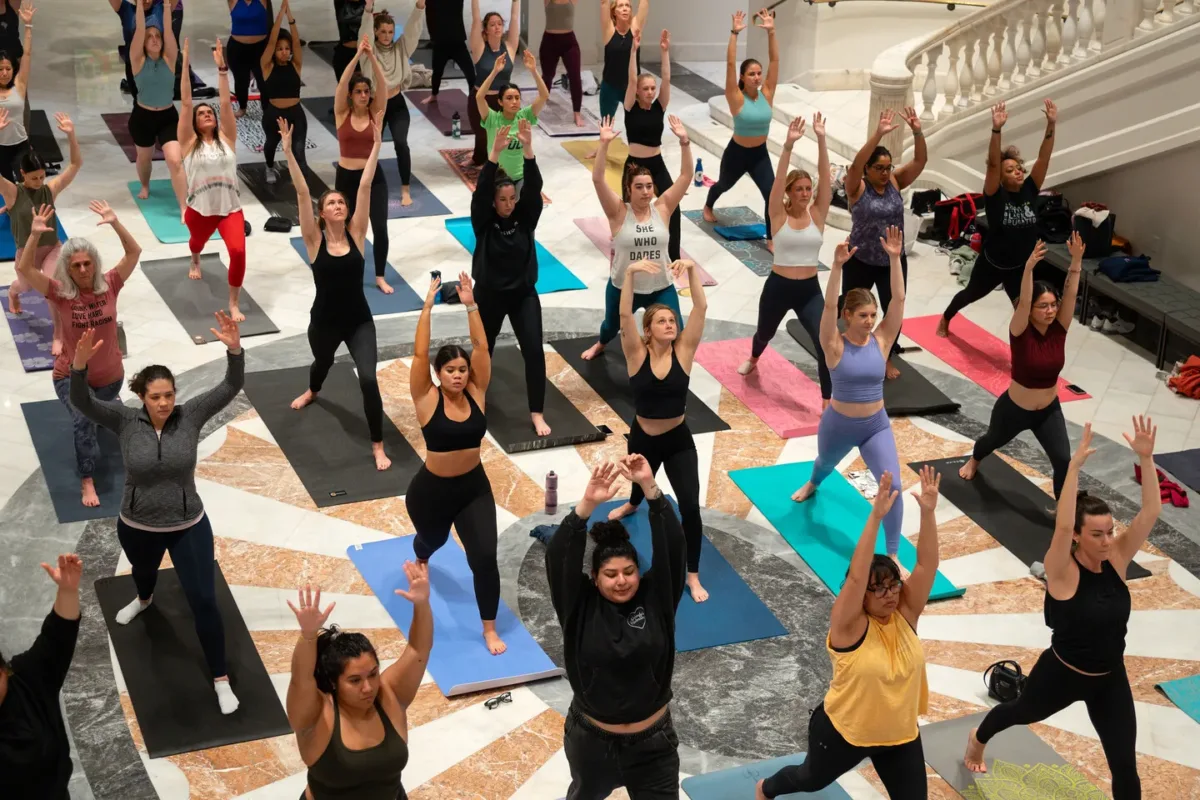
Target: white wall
x=853, y=34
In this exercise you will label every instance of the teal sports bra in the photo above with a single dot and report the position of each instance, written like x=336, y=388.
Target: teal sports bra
x=755, y=117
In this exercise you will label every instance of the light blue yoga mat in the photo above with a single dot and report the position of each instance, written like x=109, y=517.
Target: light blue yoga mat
x=401, y=300
x=162, y=211
x=553, y=276
x=8, y=247
x=742, y=233
x=739, y=782
x=459, y=661
x=1184, y=693
x=733, y=612
x=824, y=529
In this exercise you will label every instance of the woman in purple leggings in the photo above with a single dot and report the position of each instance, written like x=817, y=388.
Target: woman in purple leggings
x=856, y=359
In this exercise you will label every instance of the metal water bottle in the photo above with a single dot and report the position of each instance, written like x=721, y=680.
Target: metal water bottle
x=456, y=126
x=551, y=492
x=699, y=178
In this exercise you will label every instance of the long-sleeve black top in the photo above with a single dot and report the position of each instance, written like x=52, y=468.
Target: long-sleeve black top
x=35, y=757
x=619, y=657
x=505, y=258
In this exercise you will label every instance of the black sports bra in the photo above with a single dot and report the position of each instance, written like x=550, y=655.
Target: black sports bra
x=655, y=398
x=444, y=435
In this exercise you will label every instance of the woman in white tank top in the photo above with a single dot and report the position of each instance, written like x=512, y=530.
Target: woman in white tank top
x=639, y=231
x=797, y=224
x=14, y=78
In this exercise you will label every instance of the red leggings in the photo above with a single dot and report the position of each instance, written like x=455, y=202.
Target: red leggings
x=233, y=232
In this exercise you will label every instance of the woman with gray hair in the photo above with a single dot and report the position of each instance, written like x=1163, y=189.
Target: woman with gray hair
x=83, y=297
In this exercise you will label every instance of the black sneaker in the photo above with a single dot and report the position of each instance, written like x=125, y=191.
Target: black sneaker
x=204, y=92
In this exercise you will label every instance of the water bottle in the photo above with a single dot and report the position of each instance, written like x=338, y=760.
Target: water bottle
x=551, y=492
x=699, y=179
x=456, y=126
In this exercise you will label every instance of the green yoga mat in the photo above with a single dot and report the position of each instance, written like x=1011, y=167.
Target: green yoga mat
x=162, y=212
x=824, y=529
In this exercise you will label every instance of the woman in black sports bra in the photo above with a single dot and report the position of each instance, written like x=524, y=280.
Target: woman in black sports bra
x=660, y=431
x=452, y=487
x=350, y=719
x=281, y=64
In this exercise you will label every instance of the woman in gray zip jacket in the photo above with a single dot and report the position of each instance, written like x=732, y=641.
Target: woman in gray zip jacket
x=160, y=509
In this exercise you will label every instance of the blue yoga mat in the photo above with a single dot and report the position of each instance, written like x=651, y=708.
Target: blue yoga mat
x=740, y=782
x=401, y=300
x=50, y=428
x=8, y=247
x=1184, y=693
x=824, y=529
x=742, y=233
x=553, y=276
x=459, y=662
x=733, y=612
x=424, y=202
x=162, y=211
x=1184, y=465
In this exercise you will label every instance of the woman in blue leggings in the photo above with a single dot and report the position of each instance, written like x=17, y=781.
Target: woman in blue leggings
x=856, y=359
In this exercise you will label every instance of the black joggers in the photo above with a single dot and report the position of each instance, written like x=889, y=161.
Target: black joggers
x=675, y=450
x=804, y=297
x=662, y=181
x=1048, y=426
x=397, y=119
x=859, y=275
x=646, y=763
x=245, y=60
x=985, y=277
x=346, y=181
x=360, y=341
x=456, y=51
x=524, y=312
x=298, y=120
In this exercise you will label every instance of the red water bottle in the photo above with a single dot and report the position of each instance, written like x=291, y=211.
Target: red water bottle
x=551, y=492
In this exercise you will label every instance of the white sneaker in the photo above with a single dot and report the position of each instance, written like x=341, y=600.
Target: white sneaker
x=1097, y=323
x=1118, y=326
x=271, y=176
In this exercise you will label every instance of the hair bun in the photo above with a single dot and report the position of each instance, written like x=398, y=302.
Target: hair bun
x=609, y=533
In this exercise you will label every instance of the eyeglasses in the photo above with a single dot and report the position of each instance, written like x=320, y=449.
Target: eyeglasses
x=882, y=167
x=495, y=702
x=883, y=591
x=1046, y=306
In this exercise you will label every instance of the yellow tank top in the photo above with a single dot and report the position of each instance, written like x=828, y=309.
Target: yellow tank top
x=879, y=688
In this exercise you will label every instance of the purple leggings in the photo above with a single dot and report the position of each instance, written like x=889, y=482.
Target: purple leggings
x=564, y=46
x=872, y=435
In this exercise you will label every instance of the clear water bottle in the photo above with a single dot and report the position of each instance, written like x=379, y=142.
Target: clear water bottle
x=551, y=492
x=456, y=126
x=699, y=178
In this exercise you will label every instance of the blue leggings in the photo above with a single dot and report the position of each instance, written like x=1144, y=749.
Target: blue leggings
x=872, y=435
x=612, y=308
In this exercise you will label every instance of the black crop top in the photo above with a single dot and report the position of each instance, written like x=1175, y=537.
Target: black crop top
x=283, y=83
x=339, y=301
x=1089, y=629
x=645, y=126
x=655, y=398
x=444, y=435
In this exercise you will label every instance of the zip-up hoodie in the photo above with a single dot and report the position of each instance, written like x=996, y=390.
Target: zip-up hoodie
x=160, y=471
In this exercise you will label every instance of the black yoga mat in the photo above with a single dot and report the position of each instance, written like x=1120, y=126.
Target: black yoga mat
x=508, y=410
x=41, y=137
x=194, y=302
x=53, y=440
x=1184, y=465
x=609, y=377
x=909, y=395
x=168, y=679
x=1006, y=504
x=321, y=109
x=328, y=443
x=685, y=80
x=279, y=199
x=323, y=50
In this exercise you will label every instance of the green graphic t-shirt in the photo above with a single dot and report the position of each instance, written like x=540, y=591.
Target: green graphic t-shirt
x=512, y=158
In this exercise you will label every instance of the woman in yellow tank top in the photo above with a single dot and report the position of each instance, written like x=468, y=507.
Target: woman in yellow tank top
x=879, y=686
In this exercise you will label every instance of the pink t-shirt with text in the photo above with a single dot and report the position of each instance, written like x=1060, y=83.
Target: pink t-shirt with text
x=96, y=311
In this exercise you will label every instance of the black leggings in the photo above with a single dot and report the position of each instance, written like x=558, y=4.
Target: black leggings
x=1048, y=426
x=736, y=161
x=804, y=297
x=360, y=341
x=299, y=121
x=192, y=556
x=524, y=311
x=346, y=181
x=479, y=155
x=465, y=501
x=457, y=52
x=662, y=181
x=901, y=767
x=342, y=56
x=397, y=119
x=1051, y=687
x=10, y=157
x=245, y=60
x=676, y=450
x=565, y=46
x=985, y=277
x=860, y=275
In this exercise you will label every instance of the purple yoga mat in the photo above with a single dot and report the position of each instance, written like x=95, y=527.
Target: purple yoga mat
x=118, y=126
x=32, y=330
x=442, y=112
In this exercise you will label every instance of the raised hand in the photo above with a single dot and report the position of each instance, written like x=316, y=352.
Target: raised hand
x=41, y=219
x=466, y=293
x=766, y=20
x=887, y=122
x=884, y=499
x=364, y=45
x=418, y=583
x=87, y=347
x=843, y=253
x=26, y=12
x=739, y=22
x=524, y=133
x=435, y=285
x=67, y=572
x=1075, y=245
x=664, y=41
x=636, y=468
x=927, y=494
x=893, y=242
x=309, y=614
x=1051, y=111
x=681, y=266
x=677, y=128
x=818, y=125
x=602, y=486
x=607, y=133
x=186, y=48
x=228, y=335
x=1085, y=448
x=644, y=265
x=999, y=116
x=64, y=123
x=219, y=54
x=530, y=61
x=1039, y=252
x=1144, y=431
x=637, y=39
x=107, y=215
x=795, y=131
x=909, y=115
x=285, y=134
x=501, y=141
x=501, y=60
x=377, y=126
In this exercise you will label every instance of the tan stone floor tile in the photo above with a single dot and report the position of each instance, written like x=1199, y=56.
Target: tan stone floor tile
x=275, y=647
x=252, y=564
x=916, y=444
x=961, y=536
x=1021, y=596
x=430, y=704
x=747, y=443
x=257, y=466
x=597, y=411
x=1160, y=778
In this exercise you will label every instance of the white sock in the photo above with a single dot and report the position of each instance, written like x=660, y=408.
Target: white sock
x=226, y=697
x=135, y=607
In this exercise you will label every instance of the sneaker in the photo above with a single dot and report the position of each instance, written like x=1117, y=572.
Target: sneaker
x=272, y=175
x=204, y=93
x=1116, y=325
x=1097, y=323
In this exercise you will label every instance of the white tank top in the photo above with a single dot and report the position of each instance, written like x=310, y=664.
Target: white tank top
x=636, y=241
x=14, y=132
x=212, y=184
x=798, y=247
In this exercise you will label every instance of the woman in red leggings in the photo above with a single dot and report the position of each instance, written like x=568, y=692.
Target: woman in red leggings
x=210, y=168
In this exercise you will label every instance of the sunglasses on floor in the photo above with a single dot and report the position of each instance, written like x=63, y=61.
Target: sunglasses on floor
x=495, y=702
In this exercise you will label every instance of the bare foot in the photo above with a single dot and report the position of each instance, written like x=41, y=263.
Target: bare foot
x=892, y=373
x=405, y=196
x=241, y=112
x=592, y=351
x=236, y=314
x=56, y=347
x=758, y=791
x=621, y=511
x=431, y=99
x=87, y=490
x=804, y=492
x=974, y=756
x=699, y=593
x=304, y=399
x=382, y=462
x=968, y=469
x=495, y=644
x=145, y=192
x=579, y=123
x=539, y=424
x=194, y=271
x=14, y=302
x=748, y=366
x=709, y=216
x=383, y=285
x=943, y=328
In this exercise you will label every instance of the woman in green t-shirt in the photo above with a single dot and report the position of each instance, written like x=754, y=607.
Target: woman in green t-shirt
x=512, y=159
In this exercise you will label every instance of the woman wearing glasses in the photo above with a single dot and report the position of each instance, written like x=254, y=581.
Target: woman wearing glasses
x=879, y=686
x=1037, y=335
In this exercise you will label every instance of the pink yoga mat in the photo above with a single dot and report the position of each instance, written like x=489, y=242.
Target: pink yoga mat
x=597, y=231
x=779, y=394
x=974, y=352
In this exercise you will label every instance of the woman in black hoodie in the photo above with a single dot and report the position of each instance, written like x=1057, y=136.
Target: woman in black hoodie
x=505, y=267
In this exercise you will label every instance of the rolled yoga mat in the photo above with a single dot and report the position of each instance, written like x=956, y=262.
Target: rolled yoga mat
x=779, y=394
x=508, y=409
x=162, y=213
x=279, y=198
x=50, y=428
x=742, y=233
x=424, y=202
x=597, y=230
x=195, y=302
x=403, y=298
x=1184, y=693
x=441, y=113
x=752, y=254
x=32, y=330
x=739, y=782
x=614, y=165
x=553, y=275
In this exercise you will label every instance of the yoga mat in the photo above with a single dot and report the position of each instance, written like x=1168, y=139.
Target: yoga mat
x=508, y=410
x=328, y=443
x=742, y=233
x=168, y=680
x=733, y=612
x=1007, y=505
x=910, y=394
x=614, y=165
x=321, y=109
x=597, y=231
x=50, y=428
x=1184, y=465
x=609, y=377
x=754, y=255
x=32, y=330
x=279, y=199
x=424, y=202
x=459, y=662
x=974, y=352
x=1019, y=764
x=194, y=302
x=162, y=212
x=739, y=782
x=402, y=299
x=441, y=113
x=824, y=529
x=118, y=126
x=697, y=86
x=423, y=55
x=8, y=247
x=558, y=118
x=780, y=395
x=553, y=276
x=41, y=137
x=460, y=161
x=1185, y=693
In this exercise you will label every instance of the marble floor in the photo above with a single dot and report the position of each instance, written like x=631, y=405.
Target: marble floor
x=734, y=704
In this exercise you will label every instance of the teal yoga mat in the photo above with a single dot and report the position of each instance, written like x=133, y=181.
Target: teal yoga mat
x=553, y=276
x=1184, y=693
x=824, y=529
x=740, y=782
x=162, y=212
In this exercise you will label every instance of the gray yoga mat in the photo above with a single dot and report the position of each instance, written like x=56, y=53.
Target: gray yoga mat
x=508, y=410
x=50, y=429
x=194, y=302
x=685, y=80
x=279, y=198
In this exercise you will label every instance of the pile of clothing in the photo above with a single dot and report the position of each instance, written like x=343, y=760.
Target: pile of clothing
x=1169, y=491
x=1128, y=269
x=1185, y=379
